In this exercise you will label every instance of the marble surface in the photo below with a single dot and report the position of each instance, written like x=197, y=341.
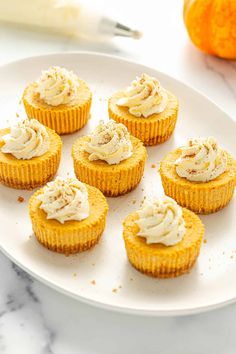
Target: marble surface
x=36, y=319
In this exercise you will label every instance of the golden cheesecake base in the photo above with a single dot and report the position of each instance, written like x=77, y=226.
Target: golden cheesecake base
x=152, y=130
x=202, y=198
x=159, y=260
x=29, y=174
x=112, y=180
x=72, y=236
x=64, y=119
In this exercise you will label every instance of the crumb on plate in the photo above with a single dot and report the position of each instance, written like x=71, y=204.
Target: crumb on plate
x=20, y=199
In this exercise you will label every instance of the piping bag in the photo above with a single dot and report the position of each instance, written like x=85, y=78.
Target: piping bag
x=65, y=17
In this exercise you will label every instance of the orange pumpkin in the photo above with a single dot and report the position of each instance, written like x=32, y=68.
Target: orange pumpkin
x=211, y=25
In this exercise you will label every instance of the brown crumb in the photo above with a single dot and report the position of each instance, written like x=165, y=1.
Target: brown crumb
x=17, y=115
x=131, y=279
x=114, y=290
x=205, y=240
x=93, y=264
x=153, y=165
x=120, y=287
x=134, y=201
x=20, y=199
x=68, y=173
x=142, y=189
x=74, y=274
x=93, y=282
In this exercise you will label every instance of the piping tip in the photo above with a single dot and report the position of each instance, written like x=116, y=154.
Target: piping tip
x=124, y=31
x=136, y=34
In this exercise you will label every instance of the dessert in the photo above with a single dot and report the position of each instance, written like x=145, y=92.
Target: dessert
x=29, y=154
x=110, y=159
x=146, y=109
x=199, y=176
x=68, y=216
x=58, y=99
x=162, y=239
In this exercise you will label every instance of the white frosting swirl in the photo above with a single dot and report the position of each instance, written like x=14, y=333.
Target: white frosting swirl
x=27, y=139
x=109, y=142
x=144, y=97
x=65, y=200
x=161, y=221
x=202, y=160
x=57, y=86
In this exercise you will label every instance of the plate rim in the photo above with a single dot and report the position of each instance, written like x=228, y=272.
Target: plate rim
x=83, y=299
x=124, y=59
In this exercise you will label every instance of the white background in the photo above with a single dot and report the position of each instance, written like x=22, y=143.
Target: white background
x=36, y=319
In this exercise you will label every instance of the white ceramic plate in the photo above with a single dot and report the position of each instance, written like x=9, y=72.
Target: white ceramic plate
x=103, y=276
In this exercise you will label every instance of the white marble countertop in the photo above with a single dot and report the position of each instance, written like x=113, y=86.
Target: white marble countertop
x=36, y=319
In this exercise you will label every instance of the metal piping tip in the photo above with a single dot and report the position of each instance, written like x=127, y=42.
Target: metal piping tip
x=136, y=34
x=124, y=31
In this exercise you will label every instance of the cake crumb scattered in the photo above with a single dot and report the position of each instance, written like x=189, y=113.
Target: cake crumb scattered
x=133, y=201
x=153, y=165
x=93, y=282
x=120, y=287
x=142, y=189
x=17, y=115
x=20, y=199
x=232, y=257
x=131, y=279
x=114, y=290
x=205, y=240
x=93, y=264
x=74, y=274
